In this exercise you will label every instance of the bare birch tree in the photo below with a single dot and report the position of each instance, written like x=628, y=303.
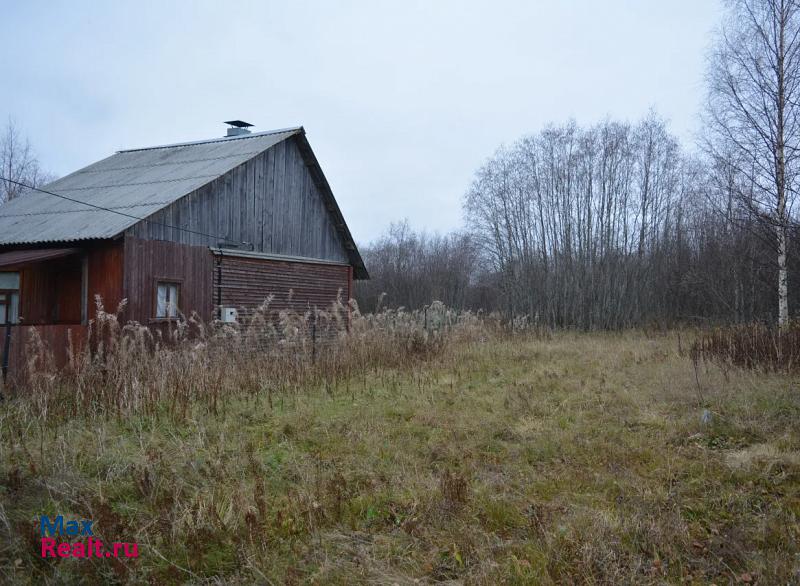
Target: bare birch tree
x=753, y=114
x=601, y=227
x=18, y=162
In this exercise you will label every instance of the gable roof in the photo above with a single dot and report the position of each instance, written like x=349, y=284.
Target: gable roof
x=140, y=182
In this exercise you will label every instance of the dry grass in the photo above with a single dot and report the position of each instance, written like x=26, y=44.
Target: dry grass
x=756, y=346
x=130, y=369
x=574, y=459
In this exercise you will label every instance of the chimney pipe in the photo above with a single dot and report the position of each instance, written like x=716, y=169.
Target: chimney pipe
x=238, y=128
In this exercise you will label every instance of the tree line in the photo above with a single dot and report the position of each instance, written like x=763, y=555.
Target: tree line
x=617, y=224
x=601, y=227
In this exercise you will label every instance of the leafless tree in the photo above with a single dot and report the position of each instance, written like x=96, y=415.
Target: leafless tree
x=18, y=162
x=753, y=115
x=604, y=227
x=412, y=269
x=613, y=226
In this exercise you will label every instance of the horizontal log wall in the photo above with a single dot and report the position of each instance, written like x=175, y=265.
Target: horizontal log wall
x=245, y=283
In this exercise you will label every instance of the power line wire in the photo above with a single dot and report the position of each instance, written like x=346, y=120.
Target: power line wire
x=153, y=222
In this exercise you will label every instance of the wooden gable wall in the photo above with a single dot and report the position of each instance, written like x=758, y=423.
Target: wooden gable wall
x=271, y=201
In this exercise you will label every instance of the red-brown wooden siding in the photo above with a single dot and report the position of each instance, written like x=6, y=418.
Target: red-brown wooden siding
x=106, y=268
x=50, y=291
x=131, y=269
x=245, y=283
x=149, y=261
x=51, y=302
x=55, y=337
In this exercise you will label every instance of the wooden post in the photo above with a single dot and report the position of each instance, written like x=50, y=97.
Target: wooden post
x=314, y=338
x=349, y=296
x=6, y=352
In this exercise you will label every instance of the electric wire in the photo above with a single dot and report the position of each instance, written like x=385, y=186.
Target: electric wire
x=113, y=211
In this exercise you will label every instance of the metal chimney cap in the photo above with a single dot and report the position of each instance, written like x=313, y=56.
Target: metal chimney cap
x=239, y=123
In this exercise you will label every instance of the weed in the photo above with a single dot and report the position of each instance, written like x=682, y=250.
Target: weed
x=488, y=458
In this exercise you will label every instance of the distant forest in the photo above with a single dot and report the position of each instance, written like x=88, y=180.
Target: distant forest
x=601, y=227
x=617, y=224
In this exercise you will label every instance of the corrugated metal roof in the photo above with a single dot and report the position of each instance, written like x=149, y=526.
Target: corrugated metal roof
x=137, y=182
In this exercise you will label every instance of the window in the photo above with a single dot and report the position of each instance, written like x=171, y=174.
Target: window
x=9, y=297
x=167, y=295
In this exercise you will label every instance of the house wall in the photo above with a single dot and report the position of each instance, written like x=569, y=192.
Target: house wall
x=245, y=283
x=105, y=278
x=271, y=202
x=51, y=303
x=59, y=340
x=50, y=292
x=149, y=261
x=209, y=280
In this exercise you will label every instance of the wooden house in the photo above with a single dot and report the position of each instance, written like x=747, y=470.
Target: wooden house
x=211, y=227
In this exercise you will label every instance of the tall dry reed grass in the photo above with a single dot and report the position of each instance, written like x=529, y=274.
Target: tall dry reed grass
x=752, y=346
x=128, y=368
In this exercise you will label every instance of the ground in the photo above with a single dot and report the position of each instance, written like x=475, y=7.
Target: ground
x=579, y=458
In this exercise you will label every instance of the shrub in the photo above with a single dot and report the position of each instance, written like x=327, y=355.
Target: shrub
x=752, y=346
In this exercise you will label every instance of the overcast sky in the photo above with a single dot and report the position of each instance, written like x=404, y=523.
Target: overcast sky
x=401, y=101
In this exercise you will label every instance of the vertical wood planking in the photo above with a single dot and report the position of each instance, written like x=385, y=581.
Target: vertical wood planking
x=147, y=261
x=272, y=202
x=57, y=338
x=106, y=276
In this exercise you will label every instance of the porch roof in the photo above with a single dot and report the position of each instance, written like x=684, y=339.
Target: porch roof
x=17, y=258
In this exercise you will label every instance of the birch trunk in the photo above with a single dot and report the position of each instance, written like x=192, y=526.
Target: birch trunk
x=780, y=171
x=783, y=293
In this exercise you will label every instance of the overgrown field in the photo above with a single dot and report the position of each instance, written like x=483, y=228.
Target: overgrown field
x=572, y=458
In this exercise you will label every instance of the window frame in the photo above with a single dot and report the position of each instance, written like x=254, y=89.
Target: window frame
x=178, y=283
x=7, y=304
x=7, y=301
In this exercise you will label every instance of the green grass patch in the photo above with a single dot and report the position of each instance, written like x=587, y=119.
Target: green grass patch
x=577, y=459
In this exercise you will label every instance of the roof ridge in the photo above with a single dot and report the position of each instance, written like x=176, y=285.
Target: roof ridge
x=299, y=129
